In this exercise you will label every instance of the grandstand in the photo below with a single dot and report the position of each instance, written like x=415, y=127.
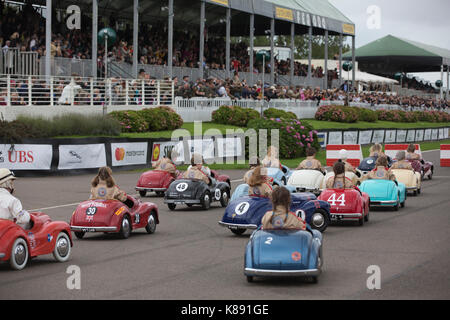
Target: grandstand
x=184, y=58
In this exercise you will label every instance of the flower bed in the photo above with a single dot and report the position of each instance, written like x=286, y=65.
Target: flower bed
x=295, y=135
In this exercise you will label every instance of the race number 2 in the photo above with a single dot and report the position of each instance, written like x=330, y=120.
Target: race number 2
x=333, y=200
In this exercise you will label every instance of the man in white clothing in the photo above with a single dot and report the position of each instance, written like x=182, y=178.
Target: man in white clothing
x=11, y=207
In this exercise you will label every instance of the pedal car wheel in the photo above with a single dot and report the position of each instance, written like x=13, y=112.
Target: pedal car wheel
x=206, y=201
x=19, y=254
x=62, y=250
x=160, y=193
x=366, y=218
x=125, y=229
x=314, y=279
x=171, y=206
x=397, y=206
x=224, y=199
x=238, y=232
x=142, y=193
x=361, y=221
x=319, y=220
x=79, y=234
x=151, y=224
x=430, y=176
x=249, y=279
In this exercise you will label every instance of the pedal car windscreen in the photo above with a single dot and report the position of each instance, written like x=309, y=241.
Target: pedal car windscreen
x=281, y=249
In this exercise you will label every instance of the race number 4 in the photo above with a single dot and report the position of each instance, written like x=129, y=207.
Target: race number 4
x=333, y=200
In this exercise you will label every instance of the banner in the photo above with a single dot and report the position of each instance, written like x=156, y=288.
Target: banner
x=378, y=136
x=204, y=147
x=126, y=154
x=419, y=135
x=82, y=156
x=26, y=156
x=401, y=135
x=365, y=137
x=350, y=137
x=411, y=136
x=335, y=137
x=322, y=137
x=427, y=135
x=229, y=147
x=434, y=134
x=390, y=136
x=162, y=149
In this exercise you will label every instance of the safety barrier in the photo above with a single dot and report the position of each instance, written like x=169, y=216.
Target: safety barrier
x=71, y=91
x=445, y=155
x=13, y=61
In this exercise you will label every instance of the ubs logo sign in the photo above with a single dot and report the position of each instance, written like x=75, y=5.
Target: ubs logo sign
x=19, y=156
x=75, y=157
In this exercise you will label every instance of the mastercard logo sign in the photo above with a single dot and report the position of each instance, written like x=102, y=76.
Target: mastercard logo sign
x=120, y=154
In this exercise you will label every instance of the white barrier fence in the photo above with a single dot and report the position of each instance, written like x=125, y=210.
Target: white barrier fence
x=201, y=109
x=78, y=91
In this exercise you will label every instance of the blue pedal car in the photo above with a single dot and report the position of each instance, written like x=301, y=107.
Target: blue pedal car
x=278, y=253
x=247, y=212
x=242, y=191
x=385, y=193
x=280, y=177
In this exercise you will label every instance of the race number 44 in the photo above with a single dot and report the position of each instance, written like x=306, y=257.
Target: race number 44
x=341, y=200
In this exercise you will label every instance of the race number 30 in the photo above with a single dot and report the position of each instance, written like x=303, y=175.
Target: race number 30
x=341, y=200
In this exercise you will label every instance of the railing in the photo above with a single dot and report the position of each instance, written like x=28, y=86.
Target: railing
x=13, y=61
x=33, y=90
x=201, y=109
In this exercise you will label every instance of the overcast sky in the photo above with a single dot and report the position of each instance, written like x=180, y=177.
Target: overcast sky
x=426, y=21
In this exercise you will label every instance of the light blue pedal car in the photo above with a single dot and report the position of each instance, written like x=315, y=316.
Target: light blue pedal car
x=280, y=177
x=281, y=253
x=385, y=193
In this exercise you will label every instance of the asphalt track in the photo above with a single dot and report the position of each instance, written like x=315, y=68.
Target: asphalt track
x=191, y=257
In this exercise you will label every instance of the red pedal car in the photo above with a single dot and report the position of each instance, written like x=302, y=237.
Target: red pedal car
x=347, y=204
x=425, y=168
x=43, y=237
x=154, y=181
x=113, y=216
x=158, y=181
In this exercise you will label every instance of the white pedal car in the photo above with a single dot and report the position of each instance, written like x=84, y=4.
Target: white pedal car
x=307, y=181
x=412, y=180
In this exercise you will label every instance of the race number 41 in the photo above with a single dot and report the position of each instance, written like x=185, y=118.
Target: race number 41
x=341, y=200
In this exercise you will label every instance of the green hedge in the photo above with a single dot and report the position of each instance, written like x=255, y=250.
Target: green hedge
x=234, y=115
x=295, y=136
x=279, y=114
x=154, y=119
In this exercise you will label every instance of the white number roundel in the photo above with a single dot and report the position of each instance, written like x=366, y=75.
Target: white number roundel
x=242, y=208
x=181, y=187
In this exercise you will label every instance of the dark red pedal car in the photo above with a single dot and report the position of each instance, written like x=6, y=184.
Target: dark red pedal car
x=158, y=181
x=425, y=168
x=113, y=216
x=44, y=236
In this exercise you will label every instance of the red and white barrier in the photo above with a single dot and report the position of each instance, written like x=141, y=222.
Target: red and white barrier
x=354, y=153
x=391, y=149
x=445, y=155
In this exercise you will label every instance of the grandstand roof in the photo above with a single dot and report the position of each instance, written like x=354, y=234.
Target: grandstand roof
x=391, y=54
x=319, y=13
